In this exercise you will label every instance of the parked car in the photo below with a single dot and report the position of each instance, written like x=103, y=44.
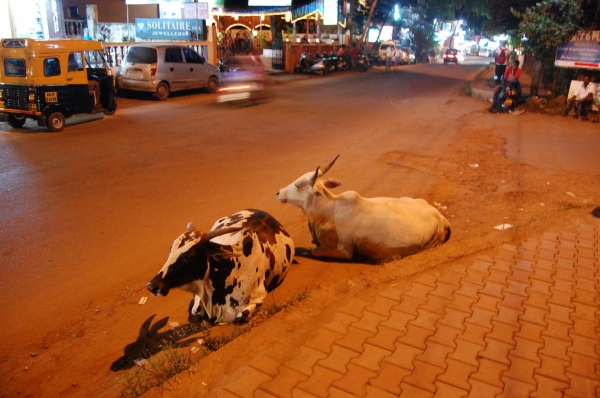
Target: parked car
x=486, y=53
x=383, y=49
x=408, y=56
x=450, y=55
x=165, y=68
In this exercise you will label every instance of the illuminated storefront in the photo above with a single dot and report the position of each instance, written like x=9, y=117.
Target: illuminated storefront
x=36, y=19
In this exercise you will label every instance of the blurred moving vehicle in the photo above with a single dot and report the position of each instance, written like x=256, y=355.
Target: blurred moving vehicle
x=242, y=80
x=450, y=55
x=51, y=80
x=485, y=53
x=164, y=68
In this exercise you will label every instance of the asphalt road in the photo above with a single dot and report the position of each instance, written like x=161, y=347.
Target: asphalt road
x=87, y=215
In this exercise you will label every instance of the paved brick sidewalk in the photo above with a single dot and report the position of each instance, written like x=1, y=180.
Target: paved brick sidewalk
x=524, y=323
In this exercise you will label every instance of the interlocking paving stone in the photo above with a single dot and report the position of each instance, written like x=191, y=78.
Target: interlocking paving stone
x=339, y=359
x=389, y=378
x=320, y=381
x=523, y=322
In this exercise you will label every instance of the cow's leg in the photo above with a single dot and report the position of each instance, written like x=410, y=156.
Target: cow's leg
x=315, y=240
x=323, y=251
x=256, y=300
x=196, y=311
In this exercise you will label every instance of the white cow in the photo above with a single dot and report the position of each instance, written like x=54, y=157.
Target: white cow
x=345, y=225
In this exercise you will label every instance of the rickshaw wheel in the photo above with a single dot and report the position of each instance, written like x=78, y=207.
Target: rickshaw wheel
x=55, y=122
x=111, y=111
x=162, y=91
x=16, y=121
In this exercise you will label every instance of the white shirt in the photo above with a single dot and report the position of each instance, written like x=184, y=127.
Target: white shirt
x=582, y=92
x=389, y=52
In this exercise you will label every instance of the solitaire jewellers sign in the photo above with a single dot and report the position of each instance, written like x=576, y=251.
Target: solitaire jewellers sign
x=172, y=29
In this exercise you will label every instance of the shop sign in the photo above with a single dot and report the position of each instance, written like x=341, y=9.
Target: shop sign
x=55, y=18
x=195, y=10
x=581, y=51
x=173, y=29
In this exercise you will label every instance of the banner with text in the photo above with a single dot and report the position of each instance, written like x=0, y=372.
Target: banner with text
x=170, y=29
x=581, y=51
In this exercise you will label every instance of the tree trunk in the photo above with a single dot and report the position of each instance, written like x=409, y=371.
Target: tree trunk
x=536, y=76
x=554, y=82
x=366, y=29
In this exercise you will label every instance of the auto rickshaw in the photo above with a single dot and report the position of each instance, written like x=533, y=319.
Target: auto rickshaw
x=50, y=80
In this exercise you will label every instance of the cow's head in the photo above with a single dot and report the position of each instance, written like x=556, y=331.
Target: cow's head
x=308, y=184
x=188, y=259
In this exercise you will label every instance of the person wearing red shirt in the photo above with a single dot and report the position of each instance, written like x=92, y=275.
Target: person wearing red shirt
x=511, y=80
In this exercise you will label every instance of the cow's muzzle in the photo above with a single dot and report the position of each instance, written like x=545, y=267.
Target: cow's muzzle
x=157, y=287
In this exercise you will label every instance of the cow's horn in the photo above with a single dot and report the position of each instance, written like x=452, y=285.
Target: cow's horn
x=326, y=169
x=206, y=236
x=315, y=176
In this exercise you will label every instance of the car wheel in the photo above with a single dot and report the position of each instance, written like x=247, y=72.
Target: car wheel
x=55, y=122
x=16, y=121
x=162, y=91
x=212, y=84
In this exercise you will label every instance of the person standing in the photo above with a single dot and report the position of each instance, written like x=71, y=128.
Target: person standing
x=388, y=57
x=431, y=56
x=397, y=55
x=501, y=56
x=354, y=56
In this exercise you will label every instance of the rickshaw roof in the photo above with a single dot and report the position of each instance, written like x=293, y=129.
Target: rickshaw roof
x=50, y=46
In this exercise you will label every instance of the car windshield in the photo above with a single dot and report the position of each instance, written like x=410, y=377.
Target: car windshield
x=142, y=55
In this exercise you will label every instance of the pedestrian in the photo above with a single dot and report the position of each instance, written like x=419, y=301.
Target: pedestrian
x=501, y=57
x=397, y=54
x=431, y=56
x=354, y=56
x=388, y=57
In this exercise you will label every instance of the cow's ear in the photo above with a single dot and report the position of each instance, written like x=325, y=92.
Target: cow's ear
x=220, y=251
x=332, y=183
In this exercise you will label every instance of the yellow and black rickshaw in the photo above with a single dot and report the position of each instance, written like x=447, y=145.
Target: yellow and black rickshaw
x=50, y=80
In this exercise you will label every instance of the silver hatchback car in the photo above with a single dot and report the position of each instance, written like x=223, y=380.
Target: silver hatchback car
x=163, y=68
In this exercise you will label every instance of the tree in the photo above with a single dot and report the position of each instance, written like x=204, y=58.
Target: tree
x=543, y=28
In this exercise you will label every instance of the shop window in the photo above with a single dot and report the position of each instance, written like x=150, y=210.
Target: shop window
x=75, y=62
x=51, y=67
x=14, y=67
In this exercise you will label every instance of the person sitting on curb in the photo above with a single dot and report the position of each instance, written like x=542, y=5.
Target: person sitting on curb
x=510, y=81
x=582, y=99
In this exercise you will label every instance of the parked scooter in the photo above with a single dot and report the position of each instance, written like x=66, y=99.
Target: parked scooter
x=310, y=64
x=362, y=65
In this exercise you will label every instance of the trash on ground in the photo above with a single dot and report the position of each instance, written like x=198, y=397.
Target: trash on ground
x=140, y=361
x=194, y=350
x=473, y=165
x=570, y=193
x=200, y=341
x=502, y=227
x=542, y=204
x=173, y=324
x=143, y=300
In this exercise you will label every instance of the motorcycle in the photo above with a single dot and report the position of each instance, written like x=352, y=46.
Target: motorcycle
x=362, y=65
x=242, y=81
x=310, y=64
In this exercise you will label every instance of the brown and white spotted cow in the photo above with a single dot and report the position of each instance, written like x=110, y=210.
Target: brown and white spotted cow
x=229, y=269
x=348, y=224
